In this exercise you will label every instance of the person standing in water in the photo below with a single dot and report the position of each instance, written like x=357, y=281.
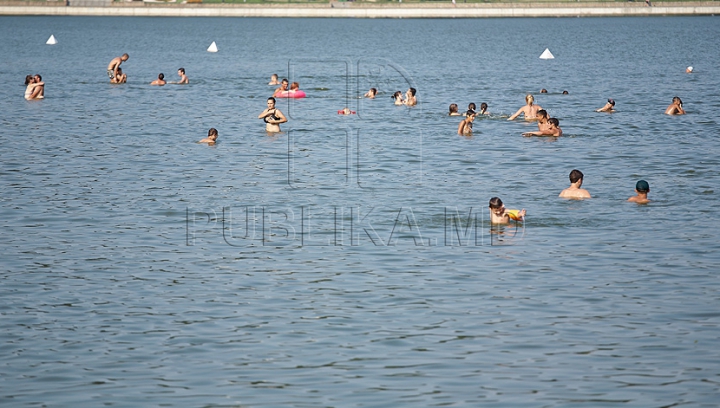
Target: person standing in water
x=675, y=107
x=115, y=64
x=272, y=117
x=529, y=110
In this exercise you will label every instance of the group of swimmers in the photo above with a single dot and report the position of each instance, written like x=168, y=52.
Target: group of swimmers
x=500, y=215
x=117, y=76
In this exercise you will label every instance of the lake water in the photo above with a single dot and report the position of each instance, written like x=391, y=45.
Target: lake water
x=349, y=261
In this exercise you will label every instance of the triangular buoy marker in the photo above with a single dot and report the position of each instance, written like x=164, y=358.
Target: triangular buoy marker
x=547, y=54
x=51, y=40
x=212, y=47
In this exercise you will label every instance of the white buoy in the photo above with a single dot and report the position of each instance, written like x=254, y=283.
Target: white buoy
x=547, y=54
x=212, y=47
x=51, y=40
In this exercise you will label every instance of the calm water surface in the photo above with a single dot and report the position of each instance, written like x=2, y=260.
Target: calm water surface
x=349, y=260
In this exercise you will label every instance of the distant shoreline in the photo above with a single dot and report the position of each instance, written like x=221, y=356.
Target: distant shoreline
x=361, y=10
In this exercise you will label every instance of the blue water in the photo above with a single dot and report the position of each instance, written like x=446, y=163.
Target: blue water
x=349, y=261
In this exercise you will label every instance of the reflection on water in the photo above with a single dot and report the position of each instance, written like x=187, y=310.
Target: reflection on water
x=349, y=261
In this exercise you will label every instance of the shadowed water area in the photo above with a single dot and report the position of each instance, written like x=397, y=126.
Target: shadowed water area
x=349, y=261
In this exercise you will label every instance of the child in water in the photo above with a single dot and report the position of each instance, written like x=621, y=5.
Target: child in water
x=642, y=188
x=500, y=215
x=211, y=137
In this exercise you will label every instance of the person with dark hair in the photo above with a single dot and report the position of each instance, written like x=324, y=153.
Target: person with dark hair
x=609, y=107
x=272, y=117
x=552, y=129
x=371, y=93
x=675, y=107
x=410, y=99
x=574, y=191
x=120, y=78
x=642, y=188
x=183, y=78
x=211, y=137
x=35, y=87
x=160, y=81
x=500, y=215
x=484, y=109
x=115, y=64
x=465, y=127
x=283, y=87
x=453, y=110
x=398, y=98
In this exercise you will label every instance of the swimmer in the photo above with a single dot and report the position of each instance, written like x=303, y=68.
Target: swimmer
x=689, y=70
x=294, y=87
x=120, y=78
x=397, y=96
x=453, y=110
x=371, y=93
x=283, y=87
x=500, y=215
x=410, y=99
x=211, y=137
x=160, y=81
x=272, y=117
x=529, y=110
x=35, y=87
x=115, y=64
x=642, y=188
x=609, y=107
x=542, y=120
x=274, y=80
x=675, y=107
x=471, y=108
x=183, y=78
x=565, y=93
x=552, y=129
x=346, y=111
x=543, y=90
x=465, y=126
x=484, y=109
x=574, y=191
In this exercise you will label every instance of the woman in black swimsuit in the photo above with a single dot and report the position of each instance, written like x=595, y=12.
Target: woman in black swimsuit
x=272, y=117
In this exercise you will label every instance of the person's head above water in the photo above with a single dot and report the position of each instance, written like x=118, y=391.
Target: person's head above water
x=642, y=186
x=542, y=114
x=29, y=79
x=576, y=175
x=471, y=106
x=212, y=134
x=294, y=86
x=124, y=57
x=412, y=91
x=495, y=203
x=452, y=109
x=677, y=100
x=543, y=90
x=554, y=121
x=396, y=95
x=529, y=99
x=181, y=70
x=611, y=102
x=483, y=107
x=161, y=76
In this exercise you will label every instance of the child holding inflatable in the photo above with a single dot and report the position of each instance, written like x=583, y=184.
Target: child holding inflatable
x=500, y=215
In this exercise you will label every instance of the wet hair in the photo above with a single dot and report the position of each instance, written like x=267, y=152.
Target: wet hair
x=374, y=91
x=396, y=95
x=678, y=100
x=642, y=186
x=29, y=78
x=181, y=70
x=611, y=102
x=161, y=76
x=495, y=203
x=470, y=113
x=212, y=132
x=575, y=176
x=40, y=78
x=295, y=85
x=554, y=121
x=483, y=107
x=452, y=109
x=413, y=91
x=529, y=98
x=471, y=106
x=272, y=99
x=285, y=80
x=566, y=93
x=543, y=90
x=125, y=56
x=542, y=113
